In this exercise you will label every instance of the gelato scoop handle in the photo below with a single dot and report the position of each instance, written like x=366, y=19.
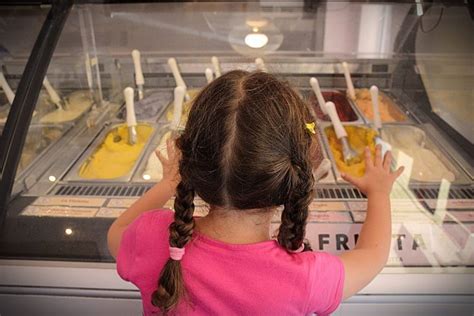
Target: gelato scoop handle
x=209, y=75
x=6, y=88
x=55, y=98
x=374, y=92
x=336, y=122
x=179, y=93
x=260, y=64
x=317, y=91
x=131, y=118
x=350, y=85
x=139, y=79
x=176, y=74
x=217, y=66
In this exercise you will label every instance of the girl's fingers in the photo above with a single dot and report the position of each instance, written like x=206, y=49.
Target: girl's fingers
x=352, y=180
x=387, y=160
x=368, y=158
x=160, y=156
x=169, y=146
x=398, y=172
x=378, y=155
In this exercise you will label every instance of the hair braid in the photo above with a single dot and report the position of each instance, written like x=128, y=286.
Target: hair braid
x=295, y=214
x=170, y=284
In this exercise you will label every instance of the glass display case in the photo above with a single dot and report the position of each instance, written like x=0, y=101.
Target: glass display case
x=108, y=102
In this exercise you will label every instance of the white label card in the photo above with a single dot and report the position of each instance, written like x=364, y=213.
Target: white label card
x=59, y=211
x=69, y=201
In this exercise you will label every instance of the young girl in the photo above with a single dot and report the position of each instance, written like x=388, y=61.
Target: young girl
x=247, y=152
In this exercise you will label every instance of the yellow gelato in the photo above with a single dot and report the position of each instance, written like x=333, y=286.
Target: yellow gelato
x=388, y=110
x=115, y=157
x=358, y=138
x=77, y=103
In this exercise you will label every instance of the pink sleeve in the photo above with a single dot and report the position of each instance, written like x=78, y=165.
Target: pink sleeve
x=327, y=285
x=142, y=238
x=128, y=249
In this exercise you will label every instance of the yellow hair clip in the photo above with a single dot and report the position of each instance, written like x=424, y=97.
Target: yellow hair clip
x=311, y=127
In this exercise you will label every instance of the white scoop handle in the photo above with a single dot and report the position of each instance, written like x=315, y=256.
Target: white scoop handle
x=317, y=91
x=176, y=74
x=51, y=91
x=209, y=75
x=336, y=122
x=374, y=92
x=217, y=66
x=87, y=63
x=350, y=85
x=6, y=88
x=139, y=79
x=260, y=64
x=128, y=93
x=179, y=93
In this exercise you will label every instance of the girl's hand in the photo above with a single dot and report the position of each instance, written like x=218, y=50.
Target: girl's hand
x=378, y=179
x=170, y=164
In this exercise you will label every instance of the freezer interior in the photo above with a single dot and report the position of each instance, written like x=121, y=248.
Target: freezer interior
x=55, y=213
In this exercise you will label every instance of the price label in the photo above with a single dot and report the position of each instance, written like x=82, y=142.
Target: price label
x=69, y=201
x=110, y=212
x=329, y=217
x=58, y=211
x=452, y=204
x=327, y=206
x=121, y=203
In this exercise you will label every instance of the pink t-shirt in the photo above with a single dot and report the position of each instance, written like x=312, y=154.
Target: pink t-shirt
x=229, y=279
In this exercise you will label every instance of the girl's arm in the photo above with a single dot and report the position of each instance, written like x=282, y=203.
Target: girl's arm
x=155, y=198
x=373, y=246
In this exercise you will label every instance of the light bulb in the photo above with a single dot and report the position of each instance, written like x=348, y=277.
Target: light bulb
x=256, y=40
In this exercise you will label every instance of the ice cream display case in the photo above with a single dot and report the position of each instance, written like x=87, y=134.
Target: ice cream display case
x=121, y=79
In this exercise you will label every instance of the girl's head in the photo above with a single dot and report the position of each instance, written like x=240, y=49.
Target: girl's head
x=245, y=146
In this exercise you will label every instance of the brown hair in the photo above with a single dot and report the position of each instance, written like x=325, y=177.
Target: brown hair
x=245, y=146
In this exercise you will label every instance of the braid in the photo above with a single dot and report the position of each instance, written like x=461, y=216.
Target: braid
x=170, y=284
x=293, y=218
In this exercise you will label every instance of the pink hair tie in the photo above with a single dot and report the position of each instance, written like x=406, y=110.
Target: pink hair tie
x=300, y=249
x=176, y=253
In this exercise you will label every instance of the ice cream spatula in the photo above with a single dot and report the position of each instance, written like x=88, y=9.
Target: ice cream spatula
x=179, y=93
x=217, y=66
x=374, y=93
x=139, y=79
x=177, y=76
x=6, y=88
x=209, y=75
x=350, y=155
x=261, y=64
x=350, y=85
x=131, y=118
x=317, y=91
x=55, y=98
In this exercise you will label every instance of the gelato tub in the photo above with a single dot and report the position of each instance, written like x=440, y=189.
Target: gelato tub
x=37, y=141
x=114, y=158
x=344, y=109
x=389, y=111
x=414, y=149
x=43, y=106
x=358, y=137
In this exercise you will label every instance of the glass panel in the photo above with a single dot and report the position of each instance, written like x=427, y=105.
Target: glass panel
x=13, y=53
x=91, y=169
